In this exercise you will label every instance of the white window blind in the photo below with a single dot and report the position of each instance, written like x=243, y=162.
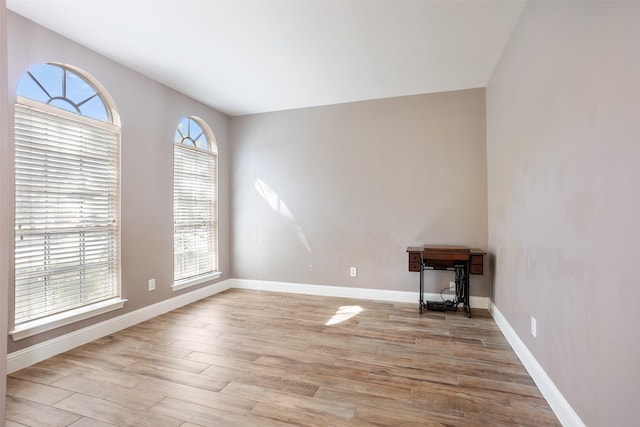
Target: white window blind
x=194, y=212
x=67, y=211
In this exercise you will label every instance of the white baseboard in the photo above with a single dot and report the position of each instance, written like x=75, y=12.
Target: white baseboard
x=556, y=400
x=36, y=353
x=39, y=352
x=346, y=292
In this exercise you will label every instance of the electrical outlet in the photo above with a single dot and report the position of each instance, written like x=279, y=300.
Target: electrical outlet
x=353, y=272
x=152, y=284
x=452, y=286
x=533, y=327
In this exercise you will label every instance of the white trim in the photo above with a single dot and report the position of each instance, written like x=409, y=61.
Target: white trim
x=187, y=283
x=38, y=326
x=346, y=292
x=39, y=352
x=36, y=353
x=554, y=397
x=479, y=302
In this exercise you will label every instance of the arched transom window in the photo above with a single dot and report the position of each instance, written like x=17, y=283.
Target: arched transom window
x=61, y=87
x=194, y=203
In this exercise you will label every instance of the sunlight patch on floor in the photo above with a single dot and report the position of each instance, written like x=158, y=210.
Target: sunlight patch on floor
x=344, y=313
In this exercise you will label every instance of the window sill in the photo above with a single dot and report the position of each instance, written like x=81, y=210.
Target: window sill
x=48, y=323
x=186, y=283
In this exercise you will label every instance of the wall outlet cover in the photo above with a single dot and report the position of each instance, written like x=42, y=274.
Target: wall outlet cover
x=534, y=328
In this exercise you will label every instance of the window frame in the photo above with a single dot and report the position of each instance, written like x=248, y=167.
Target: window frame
x=212, y=150
x=55, y=320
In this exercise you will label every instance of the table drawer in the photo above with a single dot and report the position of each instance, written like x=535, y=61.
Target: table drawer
x=414, y=266
x=476, y=259
x=414, y=257
x=476, y=269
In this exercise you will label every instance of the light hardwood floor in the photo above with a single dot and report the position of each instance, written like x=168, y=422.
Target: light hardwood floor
x=252, y=358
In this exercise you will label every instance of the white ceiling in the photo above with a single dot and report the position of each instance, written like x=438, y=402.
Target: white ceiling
x=245, y=57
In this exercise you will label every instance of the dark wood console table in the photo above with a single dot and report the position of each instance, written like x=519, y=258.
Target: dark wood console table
x=459, y=259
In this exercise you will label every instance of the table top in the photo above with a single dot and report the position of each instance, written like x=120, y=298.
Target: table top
x=427, y=249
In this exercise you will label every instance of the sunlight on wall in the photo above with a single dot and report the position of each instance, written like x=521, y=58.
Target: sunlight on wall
x=344, y=313
x=274, y=201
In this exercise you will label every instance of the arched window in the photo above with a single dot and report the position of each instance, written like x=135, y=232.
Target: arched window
x=61, y=87
x=67, y=200
x=194, y=203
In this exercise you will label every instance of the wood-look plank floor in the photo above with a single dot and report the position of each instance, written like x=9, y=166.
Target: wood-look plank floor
x=253, y=358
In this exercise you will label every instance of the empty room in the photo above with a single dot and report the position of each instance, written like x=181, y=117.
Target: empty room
x=319, y=213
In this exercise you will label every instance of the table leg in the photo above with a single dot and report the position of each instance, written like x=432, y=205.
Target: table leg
x=466, y=289
x=421, y=298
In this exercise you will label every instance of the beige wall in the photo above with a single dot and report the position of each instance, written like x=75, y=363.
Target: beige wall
x=318, y=190
x=4, y=196
x=563, y=142
x=149, y=113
